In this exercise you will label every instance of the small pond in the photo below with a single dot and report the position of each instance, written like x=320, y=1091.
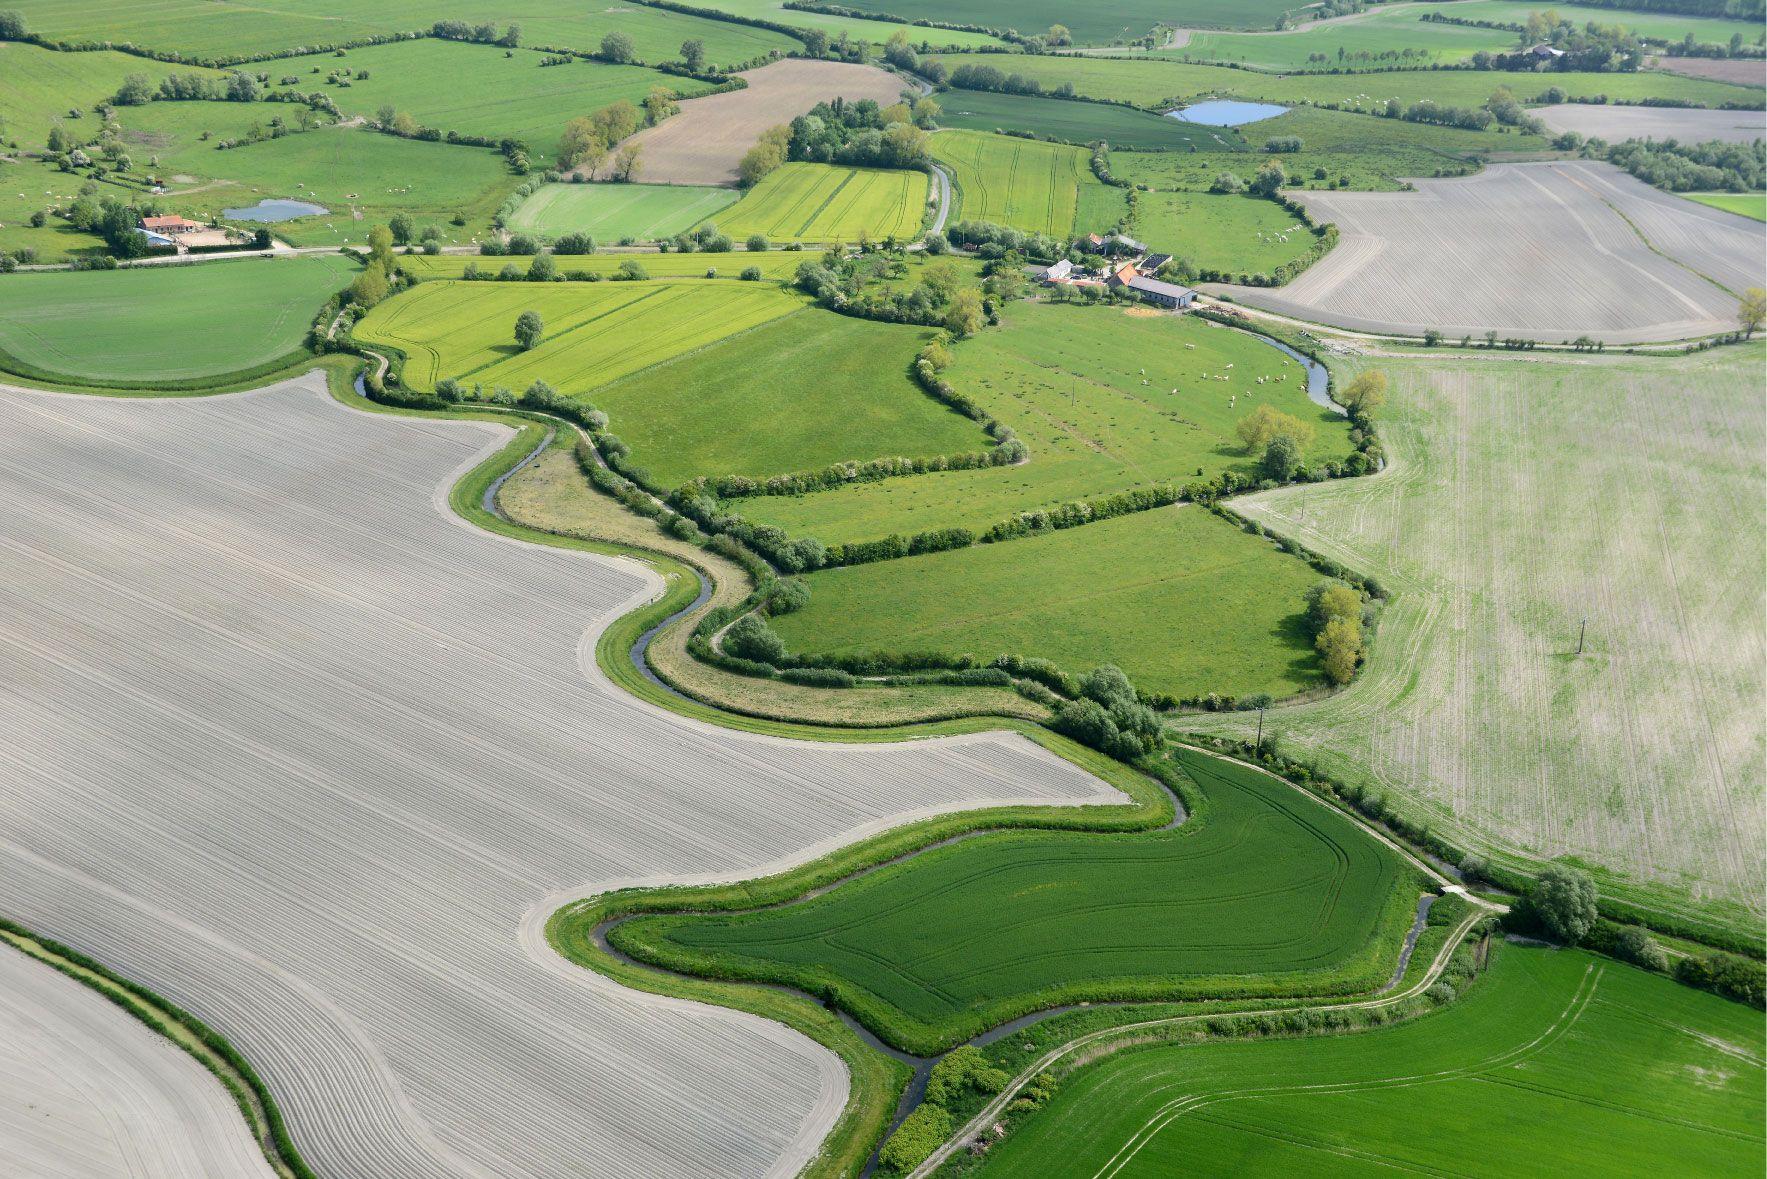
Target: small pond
x=275, y=210
x=1226, y=112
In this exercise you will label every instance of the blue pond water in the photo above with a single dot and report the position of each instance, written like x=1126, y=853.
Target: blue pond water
x=1226, y=112
x=274, y=210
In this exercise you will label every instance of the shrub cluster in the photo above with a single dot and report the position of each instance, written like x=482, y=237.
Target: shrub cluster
x=1109, y=716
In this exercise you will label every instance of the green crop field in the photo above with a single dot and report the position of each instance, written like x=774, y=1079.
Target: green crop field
x=40, y=87
x=1372, y=40
x=1263, y=891
x=1514, y=510
x=1076, y=122
x=1748, y=204
x=360, y=176
x=800, y=392
x=163, y=323
x=478, y=89
x=1236, y=234
x=773, y=264
x=1019, y=182
x=826, y=203
x=1160, y=84
x=1179, y=598
x=1668, y=26
x=1555, y=1062
x=1104, y=399
x=595, y=332
x=196, y=29
x=874, y=31
x=1099, y=24
x=617, y=212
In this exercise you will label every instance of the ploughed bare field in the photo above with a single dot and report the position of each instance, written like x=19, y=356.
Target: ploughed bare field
x=87, y=1091
x=1744, y=71
x=705, y=142
x=295, y=746
x=1538, y=251
x=1689, y=125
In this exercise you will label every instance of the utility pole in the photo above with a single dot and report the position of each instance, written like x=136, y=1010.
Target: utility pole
x=1582, y=629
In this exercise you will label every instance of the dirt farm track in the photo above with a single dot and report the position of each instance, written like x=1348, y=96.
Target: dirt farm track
x=1539, y=251
x=296, y=747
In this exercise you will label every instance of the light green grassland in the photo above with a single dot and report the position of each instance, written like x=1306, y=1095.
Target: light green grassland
x=1262, y=891
x=1555, y=1062
x=164, y=323
x=1070, y=381
x=30, y=188
x=826, y=203
x=594, y=332
x=1022, y=183
x=615, y=212
x=478, y=89
x=773, y=264
x=1526, y=496
x=193, y=27
x=874, y=31
x=1363, y=41
x=1748, y=204
x=1237, y=234
x=1077, y=122
x=1090, y=23
x=1182, y=600
x=800, y=392
x=347, y=170
x=1161, y=84
x=1668, y=26
x=39, y=87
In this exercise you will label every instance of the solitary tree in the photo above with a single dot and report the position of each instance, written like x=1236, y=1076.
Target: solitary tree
x=617, y=47
x=626, y=160
x=758, y=243
x=693, y=52
x=1282, y=457
x=815, y=42
x=401, y=225
x=1339, y=644
x=1564, y=898
x=1751, y=310
x=1367, y=393
x=528, y=330
x=1257, y=428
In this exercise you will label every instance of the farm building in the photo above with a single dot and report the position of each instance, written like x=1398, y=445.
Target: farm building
x=1163, y=294
x=1153, y=262
x=1543, y=52
x=1121, y=276
x=170, y=226
x=1056, y=273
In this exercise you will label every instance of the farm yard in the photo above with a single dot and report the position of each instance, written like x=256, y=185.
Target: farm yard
x=826, y=203
x=1267, y=884
x=1459, y=256
x=1037, y=187
x=158, y=325
x=452, y=756
x=594, y=333
x=1526, y=496
x=618, y=212
x=1576, y=1056
x=1180, y=599
x=704, y=143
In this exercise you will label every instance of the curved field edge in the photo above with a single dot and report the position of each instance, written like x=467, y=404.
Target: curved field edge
x=288, y=365
x=186, y=1031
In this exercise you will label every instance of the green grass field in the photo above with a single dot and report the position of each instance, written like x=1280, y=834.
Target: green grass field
x=1748, y=204
x=1069, y=381
x=1669, y=26
x=1160, y=84
x=1179, y=598
x=826, y=203
x=1022, y=183
x=1076, y=122
x=1237, y=234
x=27, y=188
x=194, y=28
x=774, y=264
x=594, y=332
x=1263, y=891
x=874, y=31
x=800, y=392
x=163, y=323
x=1099, y=24
x=1366, y=42
x=478, y=90
x=1513, y=511
x=1555, y=1062
x=615, y=212
x=41, y=86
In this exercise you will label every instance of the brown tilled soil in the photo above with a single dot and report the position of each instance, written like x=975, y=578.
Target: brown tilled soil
x=1742, y=71
x=704, y=143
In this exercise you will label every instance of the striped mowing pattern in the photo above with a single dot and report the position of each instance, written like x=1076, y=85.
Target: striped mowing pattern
x=1018, y=182
x=822, y=202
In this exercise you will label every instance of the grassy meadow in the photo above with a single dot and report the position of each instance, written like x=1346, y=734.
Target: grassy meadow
x=1583, y=1062
x=773, y=264
x=594, y=332
x=1179, y=598
x=796, y=393
x=1373, y=40
x=874, y=31
x=1076, y=122
x=41, y=87
x=618, y=212
x=829, y=203
x=1100, y=24
x=1747, y=204
x=1238, y=234
x=1525, y=497
x=1262, y=891
x=163, y=323
x=27, y=188
x=1070, y=381
x=1020, y=182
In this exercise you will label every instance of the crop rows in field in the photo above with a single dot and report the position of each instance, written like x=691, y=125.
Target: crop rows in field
x=613, y=212
x=1018, y=182
x=828, y=203
x=1576, y=1057
x=594, y=333
x=304, y=754
x=1264, y=891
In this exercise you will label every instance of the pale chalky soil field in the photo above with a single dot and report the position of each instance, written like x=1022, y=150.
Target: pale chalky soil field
x=300, y=750
x=1617, y=123
x=87, y=1091
x=1541, y=251
x=1525, y=496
